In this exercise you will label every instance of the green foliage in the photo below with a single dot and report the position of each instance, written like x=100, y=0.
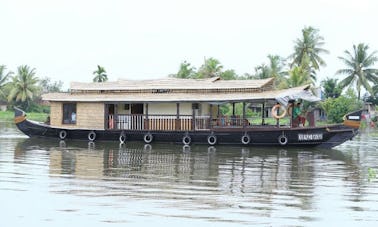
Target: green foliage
x=359, y=72
x=330, y=88
x=24, y=86
x=297, y=76
x=100, y=74
x=372, y=174
x=309, y=48
x=229, y=75
x=336, y=108
x=211, y=68
x=185, y=71
x=3, y=80
x=9, y=116
x=46, y=85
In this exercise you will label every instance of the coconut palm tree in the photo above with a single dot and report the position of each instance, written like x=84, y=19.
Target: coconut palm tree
x=211, y=68
x=3, y=79
x=273, y=69
x=331, y=88
x=185, y=71
x=309, y=46
x=359, y=69
x=298, y=76
x=100, y=75
x=23, y=86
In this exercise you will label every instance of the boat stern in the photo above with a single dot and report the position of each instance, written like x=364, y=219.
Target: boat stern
x=353, y=119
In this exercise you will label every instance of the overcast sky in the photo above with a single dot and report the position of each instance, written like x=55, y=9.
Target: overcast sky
x=144, y=39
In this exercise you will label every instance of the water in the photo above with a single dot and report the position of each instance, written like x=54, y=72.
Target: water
x=52, y=183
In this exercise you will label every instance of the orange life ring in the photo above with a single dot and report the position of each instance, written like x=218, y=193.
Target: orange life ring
x=274, y=111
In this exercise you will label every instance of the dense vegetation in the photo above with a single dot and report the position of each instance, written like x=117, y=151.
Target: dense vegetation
x=24, y=88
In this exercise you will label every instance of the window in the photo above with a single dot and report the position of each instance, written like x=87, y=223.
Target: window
x=69, y=113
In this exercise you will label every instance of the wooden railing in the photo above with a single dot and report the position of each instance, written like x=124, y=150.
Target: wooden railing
x=182, y=123
x=152, y=122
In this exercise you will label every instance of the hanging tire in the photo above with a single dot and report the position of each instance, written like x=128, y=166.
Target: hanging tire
x=282, y=140
x=212, y=140
x=186, y=140
x=91, y=136
x=245, y=139
x=62, y=134
x=122, y=138
x=148, y=138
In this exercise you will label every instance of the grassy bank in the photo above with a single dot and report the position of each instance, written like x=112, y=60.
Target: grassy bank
x=9, y=116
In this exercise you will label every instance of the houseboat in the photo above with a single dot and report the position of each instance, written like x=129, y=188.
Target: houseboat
x=185, y=111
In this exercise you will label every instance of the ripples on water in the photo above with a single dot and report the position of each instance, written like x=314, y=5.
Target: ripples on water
x=52, y=183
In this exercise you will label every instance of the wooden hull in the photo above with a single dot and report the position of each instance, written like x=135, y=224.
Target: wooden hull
x=324, y=137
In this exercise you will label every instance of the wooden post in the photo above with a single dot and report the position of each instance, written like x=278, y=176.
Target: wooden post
x=263, y=113
x=193, y=118
x=210, y=125
x=106, y=116
x=147, y=121
x=244, y=123
x=178, y=123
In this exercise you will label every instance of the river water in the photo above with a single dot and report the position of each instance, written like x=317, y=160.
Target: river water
x=53, y=183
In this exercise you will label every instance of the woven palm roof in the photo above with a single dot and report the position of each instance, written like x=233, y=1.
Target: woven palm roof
x=172, y=84
x=224, y=91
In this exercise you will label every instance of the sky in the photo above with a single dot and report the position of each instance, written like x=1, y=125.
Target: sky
x=148, y=39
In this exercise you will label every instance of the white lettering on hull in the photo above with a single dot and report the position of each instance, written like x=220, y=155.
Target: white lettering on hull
x=310, y=137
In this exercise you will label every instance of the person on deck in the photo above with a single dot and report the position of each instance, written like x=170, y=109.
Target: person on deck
x=297, y=115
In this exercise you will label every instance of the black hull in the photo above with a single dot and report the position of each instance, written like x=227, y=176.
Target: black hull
x=324, y=137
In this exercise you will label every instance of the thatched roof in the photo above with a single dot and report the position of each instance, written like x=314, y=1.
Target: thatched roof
x=198, y=94
x=172, y=84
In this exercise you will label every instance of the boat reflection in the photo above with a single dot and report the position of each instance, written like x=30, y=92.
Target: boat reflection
x=266, y=167
x=261, y=173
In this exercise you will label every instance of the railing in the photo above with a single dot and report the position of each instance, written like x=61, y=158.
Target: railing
x=183, y=122
x=153, y=122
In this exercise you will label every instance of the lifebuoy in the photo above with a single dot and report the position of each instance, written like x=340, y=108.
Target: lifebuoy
x=122, y=138
x=274, y=111
x=186, y=140
x=62, y=134
x=91, y=136
x=148, y=138
x=282, y=140
x=212, y=140
x=245, y=139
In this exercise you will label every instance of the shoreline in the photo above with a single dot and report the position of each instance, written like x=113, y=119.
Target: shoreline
x=8, y=116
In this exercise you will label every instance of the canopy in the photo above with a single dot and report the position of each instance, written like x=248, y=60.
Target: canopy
x=307, y=95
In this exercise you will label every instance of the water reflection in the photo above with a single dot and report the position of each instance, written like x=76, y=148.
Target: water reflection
x=263, y=174
x=214, y=184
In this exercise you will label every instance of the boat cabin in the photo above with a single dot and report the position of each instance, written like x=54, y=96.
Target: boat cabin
x=171, y=104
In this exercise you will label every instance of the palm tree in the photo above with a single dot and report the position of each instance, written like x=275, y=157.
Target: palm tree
x=229, y=74
x=298, y=76
x=276, y=64
x=100, y=75
x=23, y=86
x=185, y=71
x=211, y=68
x=273, y=69
x=3, y=79
x=309, y=46
x=359, y=68
x=262, y=72
x=331, y=88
